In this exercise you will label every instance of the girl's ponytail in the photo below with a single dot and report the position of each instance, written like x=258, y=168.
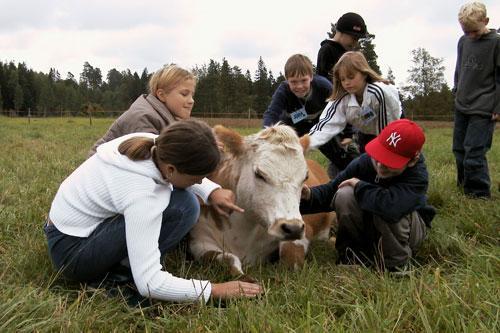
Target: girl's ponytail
x=138, y=148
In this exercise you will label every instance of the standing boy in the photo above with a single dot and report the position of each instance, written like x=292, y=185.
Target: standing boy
x=299, y=101
x=380, y=199
x=477, y=99
x=349, y=29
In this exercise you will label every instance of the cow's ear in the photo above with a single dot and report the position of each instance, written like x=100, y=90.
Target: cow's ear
x=304, y=142
x=232, y=140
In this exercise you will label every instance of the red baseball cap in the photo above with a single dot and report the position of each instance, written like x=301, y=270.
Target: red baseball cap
x=397, y=144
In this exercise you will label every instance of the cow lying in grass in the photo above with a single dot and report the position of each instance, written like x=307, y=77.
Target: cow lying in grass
x=266, y=172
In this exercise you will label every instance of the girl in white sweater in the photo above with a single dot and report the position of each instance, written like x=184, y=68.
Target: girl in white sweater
x=135, y=199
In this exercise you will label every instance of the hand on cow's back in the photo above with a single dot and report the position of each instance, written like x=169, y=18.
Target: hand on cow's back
x=235, y=289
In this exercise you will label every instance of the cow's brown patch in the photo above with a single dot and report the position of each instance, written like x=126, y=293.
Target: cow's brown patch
x=292, y=255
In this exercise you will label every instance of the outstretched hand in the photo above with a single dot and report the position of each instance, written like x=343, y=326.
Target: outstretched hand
x=223, y=201
x=233, y=289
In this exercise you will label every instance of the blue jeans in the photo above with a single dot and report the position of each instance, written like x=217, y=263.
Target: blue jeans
x=472, y=138
x=90, y=259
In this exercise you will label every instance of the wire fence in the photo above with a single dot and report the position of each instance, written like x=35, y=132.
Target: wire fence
x=250, y=120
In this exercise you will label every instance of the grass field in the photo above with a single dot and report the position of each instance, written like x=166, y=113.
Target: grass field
x=454, y=288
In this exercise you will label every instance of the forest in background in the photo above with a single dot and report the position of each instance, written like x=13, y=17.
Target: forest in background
x=223, y=90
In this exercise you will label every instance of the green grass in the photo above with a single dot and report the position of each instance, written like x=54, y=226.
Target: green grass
x=455, y=287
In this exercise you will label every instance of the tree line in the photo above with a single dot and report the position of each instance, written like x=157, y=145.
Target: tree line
x=222, y=89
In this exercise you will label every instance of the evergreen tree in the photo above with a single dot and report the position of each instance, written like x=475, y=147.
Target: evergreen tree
x=54, y=75
x=390, y=76
x=261, y=88
x=226, y=87
x=426, y=75
x=114, y=79
x=145, y=76
x=90, y=77
x=333, y=30
x=368, y=48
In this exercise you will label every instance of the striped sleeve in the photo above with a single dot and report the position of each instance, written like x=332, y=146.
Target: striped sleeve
x=389, y=104
x=331, y=122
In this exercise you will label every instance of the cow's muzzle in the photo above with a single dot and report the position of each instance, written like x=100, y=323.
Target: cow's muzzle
x=287, y=229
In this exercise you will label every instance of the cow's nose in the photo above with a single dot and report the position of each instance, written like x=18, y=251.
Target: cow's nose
x=292, y=230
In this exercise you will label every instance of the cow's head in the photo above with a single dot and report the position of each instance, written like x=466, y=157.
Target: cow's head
x=267, y=171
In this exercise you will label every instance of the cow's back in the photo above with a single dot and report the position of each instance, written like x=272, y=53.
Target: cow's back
x=318, y=225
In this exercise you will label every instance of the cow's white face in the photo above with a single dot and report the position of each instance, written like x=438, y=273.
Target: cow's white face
x=271, y=178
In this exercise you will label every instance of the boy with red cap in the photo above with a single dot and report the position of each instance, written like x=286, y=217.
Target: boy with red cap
x=380, y=200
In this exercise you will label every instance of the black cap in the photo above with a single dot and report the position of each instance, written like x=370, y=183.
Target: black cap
x=352, y=24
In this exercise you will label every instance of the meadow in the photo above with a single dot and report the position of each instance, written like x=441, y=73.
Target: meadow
x=454, y=286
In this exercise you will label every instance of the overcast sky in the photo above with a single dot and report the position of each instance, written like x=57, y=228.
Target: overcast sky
x=137, y=34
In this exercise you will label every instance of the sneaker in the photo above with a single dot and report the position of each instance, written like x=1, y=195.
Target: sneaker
x=400, y=271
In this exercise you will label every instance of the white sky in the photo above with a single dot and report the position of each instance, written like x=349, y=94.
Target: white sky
x=135, y=34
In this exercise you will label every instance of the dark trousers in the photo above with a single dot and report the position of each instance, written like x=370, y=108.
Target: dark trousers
x=90, y=259
x=472, y=138
x=369, y=239
x=339, y=156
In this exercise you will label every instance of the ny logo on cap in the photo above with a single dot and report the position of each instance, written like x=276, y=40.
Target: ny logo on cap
x=393, y=139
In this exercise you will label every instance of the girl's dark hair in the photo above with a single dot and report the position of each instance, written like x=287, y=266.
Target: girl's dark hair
x=189, y=145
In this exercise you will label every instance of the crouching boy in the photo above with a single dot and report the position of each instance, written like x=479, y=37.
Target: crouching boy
x=380, y=200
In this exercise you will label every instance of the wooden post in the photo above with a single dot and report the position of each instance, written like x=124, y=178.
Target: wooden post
x=90, y=108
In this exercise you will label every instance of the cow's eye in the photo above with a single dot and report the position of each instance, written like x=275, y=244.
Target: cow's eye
x=259, y=175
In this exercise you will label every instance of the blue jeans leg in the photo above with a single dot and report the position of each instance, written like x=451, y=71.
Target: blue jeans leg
x=89, y=259
x=472, y=138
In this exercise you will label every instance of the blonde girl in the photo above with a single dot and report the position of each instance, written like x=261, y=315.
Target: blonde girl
x=170, y=98
x=360, y=97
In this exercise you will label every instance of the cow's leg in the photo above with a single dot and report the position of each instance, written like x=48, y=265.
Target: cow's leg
x=293, y=253
x=225, y=258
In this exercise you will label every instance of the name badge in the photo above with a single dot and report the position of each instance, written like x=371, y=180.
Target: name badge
x=298, y=115
x=367, y=114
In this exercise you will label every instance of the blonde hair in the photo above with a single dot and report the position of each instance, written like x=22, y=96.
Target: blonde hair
x=350, y=63
x=471, y=14
x=168, y=77
x=298, y=65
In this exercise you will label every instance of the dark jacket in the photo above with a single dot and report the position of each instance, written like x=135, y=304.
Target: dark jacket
x=390, y=198
x=284, y=102
x=147, y=114
x=328, y=55
x=477, y=75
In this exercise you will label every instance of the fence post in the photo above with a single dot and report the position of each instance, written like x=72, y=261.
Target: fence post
x=89, y=110
x=29, y=115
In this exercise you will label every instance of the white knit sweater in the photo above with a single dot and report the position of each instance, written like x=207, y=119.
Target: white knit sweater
x=109, y=183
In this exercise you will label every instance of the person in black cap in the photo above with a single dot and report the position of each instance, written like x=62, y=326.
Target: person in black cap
x=349, y=29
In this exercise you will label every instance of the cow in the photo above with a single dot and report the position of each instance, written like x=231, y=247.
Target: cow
x=266, y=172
